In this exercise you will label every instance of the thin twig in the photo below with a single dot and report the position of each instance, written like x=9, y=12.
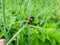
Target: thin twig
x=4, y=21
x=16, y=34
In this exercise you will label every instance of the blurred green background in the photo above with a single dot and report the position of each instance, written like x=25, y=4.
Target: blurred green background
x=44, y=30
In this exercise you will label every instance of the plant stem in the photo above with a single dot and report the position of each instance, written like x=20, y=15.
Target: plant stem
x=4, y=22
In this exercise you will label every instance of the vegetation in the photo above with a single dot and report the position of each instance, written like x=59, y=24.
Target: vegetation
x=44, y=29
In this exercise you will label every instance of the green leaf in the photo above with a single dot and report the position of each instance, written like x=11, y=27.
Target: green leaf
x=33, y=31
x=57, y=36
x=16, y=26
x=53, y=25
x=53, y=42
x=41, y=37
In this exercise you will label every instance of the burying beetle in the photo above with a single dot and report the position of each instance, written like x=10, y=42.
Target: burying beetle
x=31, y=19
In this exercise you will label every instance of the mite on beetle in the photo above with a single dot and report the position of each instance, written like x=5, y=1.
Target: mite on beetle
x=31, y=19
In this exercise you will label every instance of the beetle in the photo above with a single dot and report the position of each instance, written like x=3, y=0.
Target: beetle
x=31, y=19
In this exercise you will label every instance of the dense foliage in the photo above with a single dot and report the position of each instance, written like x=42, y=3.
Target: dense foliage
x=44, y=30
